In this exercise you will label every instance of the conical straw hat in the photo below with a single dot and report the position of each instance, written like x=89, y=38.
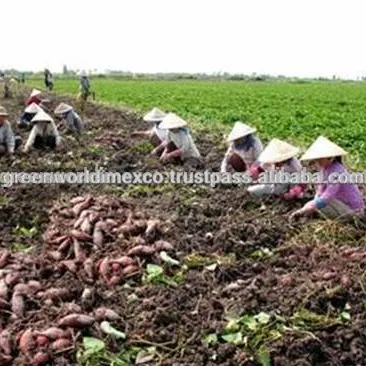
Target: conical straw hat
x=239, y=130
x=323, y=148
x=171, y=121
x=3, y=112
x=32, y=109
x=63, y=108
x=278, y=151
x=42, y=116
x=155, y=115
x=35, y=92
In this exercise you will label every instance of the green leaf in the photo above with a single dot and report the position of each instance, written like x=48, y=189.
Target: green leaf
x=154, y=271
x=234, y=338
x=93, y=344
x=264, y=358
x=263, y=318
x=211, y=339
x=249, y=321
x=233, y=324
x=167, y=259
x=108, y=329
x=345, y=316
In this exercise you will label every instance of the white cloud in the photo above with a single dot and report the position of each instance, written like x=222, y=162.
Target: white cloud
x=312, y=37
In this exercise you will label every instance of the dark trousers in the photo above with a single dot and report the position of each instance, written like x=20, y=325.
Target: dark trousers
x=42, y=143
x=4, y=147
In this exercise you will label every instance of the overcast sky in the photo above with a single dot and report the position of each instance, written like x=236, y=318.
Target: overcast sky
x=290, y=37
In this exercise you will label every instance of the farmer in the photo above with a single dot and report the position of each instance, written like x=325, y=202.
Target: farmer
x=44, y=133
x=279, y=155
x=333, y=200
x=155, y=134
x=8, y=142
x=179, y=145
x=244, y=150
x=84, y=90
x=28, y=115
x=73, y=120
x=48, y=79
x=35, y=97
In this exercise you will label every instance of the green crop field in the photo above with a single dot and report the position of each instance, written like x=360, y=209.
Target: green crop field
x=297, y=112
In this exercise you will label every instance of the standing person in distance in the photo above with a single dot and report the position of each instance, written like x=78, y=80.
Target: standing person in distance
x=48, y=79
x=84, y=90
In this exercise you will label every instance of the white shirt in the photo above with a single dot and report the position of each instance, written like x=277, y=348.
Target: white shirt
x=184, y=140
x=42, y=129
x=249, y=157
x=161, y=133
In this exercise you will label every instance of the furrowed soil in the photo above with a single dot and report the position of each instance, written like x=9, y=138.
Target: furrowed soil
x=238, y=257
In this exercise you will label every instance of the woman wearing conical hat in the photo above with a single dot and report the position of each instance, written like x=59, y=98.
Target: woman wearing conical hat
x=28, y=115
x=73, y=121
x=179, y=145
x=156, y=134
x=8, y=142
x=244, y=150
x=34, y=97
x=279, y=155
x=336, y=200
x=44, y=133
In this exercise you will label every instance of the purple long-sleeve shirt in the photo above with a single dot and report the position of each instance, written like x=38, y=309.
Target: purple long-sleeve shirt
x=347, y=193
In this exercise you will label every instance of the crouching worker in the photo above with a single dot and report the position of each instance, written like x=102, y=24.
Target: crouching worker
x=156, y=134
x=44, y=133
x=244, y=150
x=333, y=200
x=73, y=121
x=8, y=142
x=28, y=115
x=279, y=156
x=179, y=145
x=35, y=97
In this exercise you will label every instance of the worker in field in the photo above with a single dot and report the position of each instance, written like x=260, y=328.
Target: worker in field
x=7, y=87
x=8, y=142
x=44, y=133
x=333, y=200
x=179, y=145
x=48, y=79
x=28, y=115
x=244, y=149
x=84, y=90
x=34, y=97
x=279, y=156
x=73, y=121
x=156, y=134
x=45, y=105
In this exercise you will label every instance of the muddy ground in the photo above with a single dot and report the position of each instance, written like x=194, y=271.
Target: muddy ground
x=240, y=256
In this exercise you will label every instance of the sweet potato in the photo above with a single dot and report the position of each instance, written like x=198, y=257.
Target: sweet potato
x=78, y=199
x=6, y=342
x=82, y=206
x=130, y=270
x=65, y=245
x=35, y=286
x=151, y=228
x=69, y=265
x=116, y=267
x=12, y=278
x=55, y=255
x=61, y=345
x=80, y=256
x=86, y=226
x=40, y=359
x=104, y=269
x=124, y=261
x=111, y=223
x=114, y=280
x=98, y=238
x=27, y=342
x=6, y=360
x=4, y=289
x=106, y=314
x=41, y=340
x=81, y=218
x=4, y=257
x=141, y=250
x=162, y=245
x=3, y=303
x=22, y=289
x=89, y=267
x=54, y=333
x=59, y=240
x=62, y=294
x=17, y=305
x=93, y=217
x=79, y=235
x=76, y=321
